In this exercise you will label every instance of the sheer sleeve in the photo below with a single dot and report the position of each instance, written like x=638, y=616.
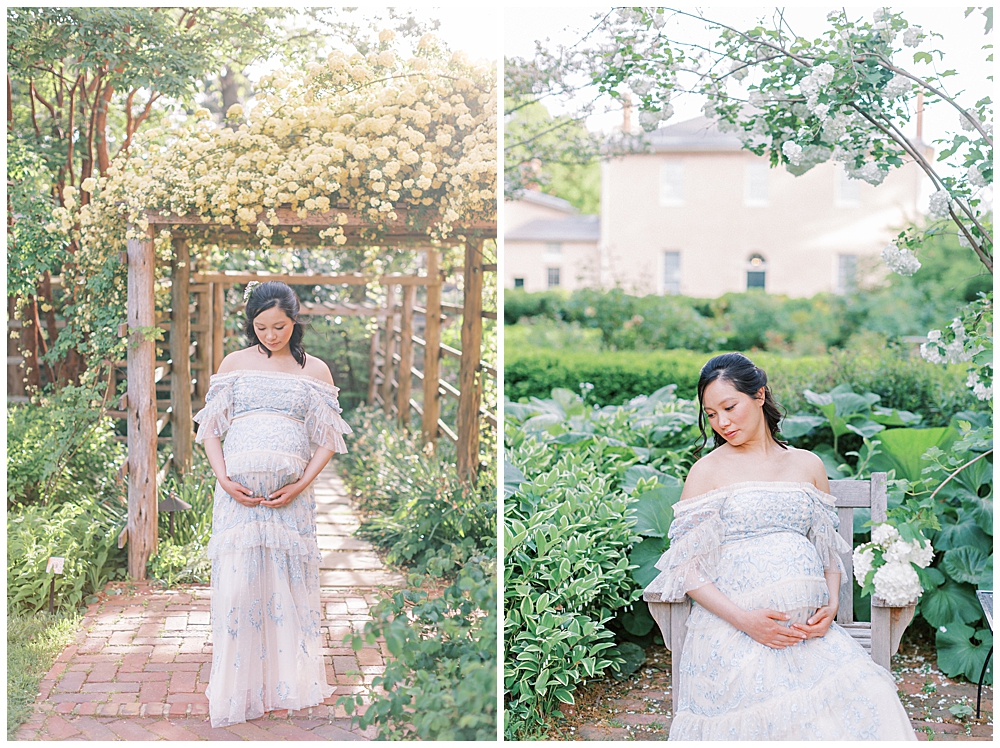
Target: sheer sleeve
x=823, y=534
x=213, y=420
x=693, y=556
x=323, y=422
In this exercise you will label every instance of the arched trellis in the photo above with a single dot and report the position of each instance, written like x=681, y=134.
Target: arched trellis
x=140, y=400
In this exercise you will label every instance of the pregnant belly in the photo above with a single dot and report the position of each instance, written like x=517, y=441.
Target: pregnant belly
x=265, y=451
x=781, y=571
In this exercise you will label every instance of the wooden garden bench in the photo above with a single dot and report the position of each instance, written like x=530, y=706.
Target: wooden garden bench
x=880, y=638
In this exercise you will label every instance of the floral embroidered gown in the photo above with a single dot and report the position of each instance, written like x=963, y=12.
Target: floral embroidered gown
x=266, y=643
x=766, y=545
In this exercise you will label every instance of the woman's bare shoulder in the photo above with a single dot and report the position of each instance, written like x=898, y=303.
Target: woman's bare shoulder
x=811, y=465
x=234, y=361
x=703, y=475
x=318, y=369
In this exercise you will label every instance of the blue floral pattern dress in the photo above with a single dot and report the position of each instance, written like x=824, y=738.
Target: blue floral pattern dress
x=767, y=545
x=266, y=639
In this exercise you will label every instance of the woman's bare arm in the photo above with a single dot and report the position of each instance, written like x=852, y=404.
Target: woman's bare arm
x=216, y=458
x=285, y=494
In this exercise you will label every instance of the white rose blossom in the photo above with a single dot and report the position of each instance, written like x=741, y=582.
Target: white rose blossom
x=897, y=583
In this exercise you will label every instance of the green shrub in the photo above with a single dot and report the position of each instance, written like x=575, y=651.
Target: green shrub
x=85, y=533
x=440, y=683
x=60, y=448
x=416, y=507
x=518, y=304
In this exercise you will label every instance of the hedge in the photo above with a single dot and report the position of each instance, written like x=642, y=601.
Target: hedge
x=911, y=384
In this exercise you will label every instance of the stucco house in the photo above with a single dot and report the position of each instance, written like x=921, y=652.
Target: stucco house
x=699, y=216
x=549, y=244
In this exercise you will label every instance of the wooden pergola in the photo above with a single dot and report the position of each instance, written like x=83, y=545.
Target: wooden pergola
x=189, y=381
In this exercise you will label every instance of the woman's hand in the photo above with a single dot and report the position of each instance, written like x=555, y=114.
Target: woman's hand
x=284, y=495
x=819, y=623
x=240, y=493
x=762, y=626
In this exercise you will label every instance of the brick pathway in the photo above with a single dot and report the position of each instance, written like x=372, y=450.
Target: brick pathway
x=640, y=708
x=141, y=660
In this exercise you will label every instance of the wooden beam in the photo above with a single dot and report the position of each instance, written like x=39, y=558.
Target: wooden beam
x=372, y=366
x=468, y=379
x=308, y=279
x=432, y=349
x=203, y=341
x=218, y=325
x=142, y=508
x=180, y=358
x=390, y=345
x=405, y=354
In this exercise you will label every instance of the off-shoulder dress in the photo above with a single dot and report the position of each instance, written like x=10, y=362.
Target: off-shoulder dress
x=266, y=643
x=767, y=545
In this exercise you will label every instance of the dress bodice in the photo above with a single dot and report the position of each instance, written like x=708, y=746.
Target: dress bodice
x=754, y=510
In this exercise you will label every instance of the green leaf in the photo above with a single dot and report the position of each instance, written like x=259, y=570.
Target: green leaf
x=961, y=533
x=831, y=461
x=638, y=621
x=632, y=656
x=643, y=556
x=965, y=564
x=922, y=57
x=792, y=427
x=637, y=472
x=950, y=602
x=902, y=449
x=512, y=479
x=654, y=510
x=962, y=651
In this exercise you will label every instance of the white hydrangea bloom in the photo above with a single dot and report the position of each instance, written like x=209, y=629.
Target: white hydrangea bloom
x=979, y=388
x=835, y=128
x=864, y=558
x=975, y=176
x=939, y=204
x=709, y=109
x=967, y=124
x=900, y=260
x=870, y=173
x=897, y=583
x=884, y=534
x=878, y=15
x=792, y=151
x=904, y=552
x=641, y=86
x=821, y=110
x=913, y=36
x=921, y=555
x=659, y=19
x=898, y=86
x=757, y=99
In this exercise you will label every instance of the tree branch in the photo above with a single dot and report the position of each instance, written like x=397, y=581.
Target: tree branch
x=963, y=467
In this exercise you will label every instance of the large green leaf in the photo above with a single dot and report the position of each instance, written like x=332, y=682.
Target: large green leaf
x=643, y=556
x=891, y=417
x=638, y=621
x=962, y=651
x=631, y=656
x=961, y=533
x=792, y=427
x=902, y=449
x=840, y=404
x=512, y=479
x=965, y=564
x=654, y=510
x=950, y=602
x=570, y=402
x=981, y=512
x=636, y=472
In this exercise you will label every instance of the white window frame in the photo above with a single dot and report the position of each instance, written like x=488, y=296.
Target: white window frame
x=671, y=185
x=663, y=272
x=846, y=192
x=755, y=173
x=548, y=277
x=840, y=285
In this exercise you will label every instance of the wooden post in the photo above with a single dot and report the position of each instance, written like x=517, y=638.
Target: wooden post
x=405, y=355
x=141, y=357
x=432, y=349
x=218, y=325
x=468, y=386
x=373, y=366
x=203, y=350
x=180, y=357
x=390, y=347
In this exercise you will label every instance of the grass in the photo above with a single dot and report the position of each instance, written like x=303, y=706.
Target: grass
x=33, y=643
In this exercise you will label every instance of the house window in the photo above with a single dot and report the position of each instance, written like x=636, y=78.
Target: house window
x=552, y=277
x=847, y=192
x=553, y=249
x=755, y=184
x=672, y=272
x=519, y=283
x=672, y=183
x=847, y=269
x=756, y=271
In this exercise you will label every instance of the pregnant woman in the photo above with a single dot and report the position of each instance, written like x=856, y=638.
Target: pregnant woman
x=754, y=545
x=278, y=409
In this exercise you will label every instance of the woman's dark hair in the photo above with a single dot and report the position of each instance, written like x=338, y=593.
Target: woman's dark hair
x=271, y=294
x=740, y=372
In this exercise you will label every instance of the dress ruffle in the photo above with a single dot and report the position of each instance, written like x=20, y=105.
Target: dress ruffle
x=263, y=461
x=324, y=425
x=696, y=536
x=823, y=534
x=215, y=418
x=263, y=534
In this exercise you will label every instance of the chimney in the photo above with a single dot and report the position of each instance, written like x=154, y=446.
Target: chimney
x=627, y=113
